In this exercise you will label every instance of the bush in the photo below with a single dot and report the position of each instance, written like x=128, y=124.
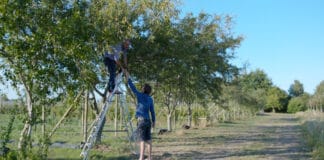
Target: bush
x=313, y=132
x=297, y=104
x=5, y=135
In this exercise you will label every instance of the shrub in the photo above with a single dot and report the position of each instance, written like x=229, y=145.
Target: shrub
x=297, y=104
x=313, y=129
x=5, y=135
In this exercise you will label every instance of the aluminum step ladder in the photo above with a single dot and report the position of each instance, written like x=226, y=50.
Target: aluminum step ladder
x=132, y=138
x=98, y=122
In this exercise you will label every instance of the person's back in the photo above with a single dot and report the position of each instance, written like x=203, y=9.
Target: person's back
x=144, y=103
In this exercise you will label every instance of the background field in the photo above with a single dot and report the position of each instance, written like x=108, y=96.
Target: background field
x=266, y=136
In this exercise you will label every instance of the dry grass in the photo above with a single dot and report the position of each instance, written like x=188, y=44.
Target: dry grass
x=271, y=136
x=268, y=136
x=313, y=128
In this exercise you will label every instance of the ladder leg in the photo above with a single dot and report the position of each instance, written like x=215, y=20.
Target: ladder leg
x=99, y=121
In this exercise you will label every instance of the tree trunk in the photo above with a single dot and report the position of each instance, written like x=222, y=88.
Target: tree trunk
x=121, y=119
x=43, y=121
x=98, y=139
x=26, y=132
x=85, y=116
x=189, y=120
x=169, y=116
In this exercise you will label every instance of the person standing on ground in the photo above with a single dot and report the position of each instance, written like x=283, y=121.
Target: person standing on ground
x=111, y=58
x=144, y=108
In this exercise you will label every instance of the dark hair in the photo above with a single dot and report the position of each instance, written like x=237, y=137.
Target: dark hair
x=147, y=89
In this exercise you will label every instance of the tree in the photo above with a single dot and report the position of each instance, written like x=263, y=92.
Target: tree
x=297, y=104
x=44, y=49
x=119, y=20
x=188, y=60
x=316, y=102
x=296, y=89
x=257, y=79
x=256, y=85
x=276, y=99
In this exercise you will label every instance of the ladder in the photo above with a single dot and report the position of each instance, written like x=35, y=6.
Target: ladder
x=128, y=124
x=98, y=122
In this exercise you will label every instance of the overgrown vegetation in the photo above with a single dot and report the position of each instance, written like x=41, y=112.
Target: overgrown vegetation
x=313, y=127
x=5, y=133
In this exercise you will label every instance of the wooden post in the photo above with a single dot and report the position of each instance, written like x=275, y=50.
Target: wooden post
x=65, y=115
x=116, y=115
x=121, y=112
x=82, y=117
x=85, y=123
x=43, y=121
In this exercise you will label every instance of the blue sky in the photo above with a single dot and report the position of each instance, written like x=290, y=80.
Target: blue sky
x=284, y=38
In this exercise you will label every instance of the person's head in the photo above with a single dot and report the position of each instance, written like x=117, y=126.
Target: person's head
x=147, y=89
x=126, y=44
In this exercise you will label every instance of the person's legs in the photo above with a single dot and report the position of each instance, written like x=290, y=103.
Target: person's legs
x=147, y=137
x=149, y=148
x=142, y=149
x=112, y=74
x=144, y=130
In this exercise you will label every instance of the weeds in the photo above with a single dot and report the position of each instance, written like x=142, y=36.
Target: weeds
x=5, y=136
x=313, y=129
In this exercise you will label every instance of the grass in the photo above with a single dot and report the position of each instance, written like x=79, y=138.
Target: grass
x=252, y=139
x=313, y=129
x=69, y=137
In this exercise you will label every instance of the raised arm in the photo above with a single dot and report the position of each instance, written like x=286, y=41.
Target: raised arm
x=132, y=87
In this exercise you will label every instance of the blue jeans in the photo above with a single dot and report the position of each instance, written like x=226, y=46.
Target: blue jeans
x=111, y=65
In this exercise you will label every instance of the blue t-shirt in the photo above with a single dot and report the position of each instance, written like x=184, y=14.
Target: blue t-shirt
x=144, y=103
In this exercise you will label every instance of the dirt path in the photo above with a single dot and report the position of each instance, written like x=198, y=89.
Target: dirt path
x=270, y=136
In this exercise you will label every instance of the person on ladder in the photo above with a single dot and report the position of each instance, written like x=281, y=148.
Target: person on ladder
x=144, y=108
x=112, y=55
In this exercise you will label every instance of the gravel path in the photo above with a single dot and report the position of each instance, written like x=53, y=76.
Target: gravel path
x=268, y=136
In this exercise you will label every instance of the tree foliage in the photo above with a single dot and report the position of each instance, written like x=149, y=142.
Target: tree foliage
x=316, y=101
x=276, y=99
x=52, y=49
x=187, y=59
x=256, y=85
x=254, y=80
x=297, y=104
x=296, y=89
